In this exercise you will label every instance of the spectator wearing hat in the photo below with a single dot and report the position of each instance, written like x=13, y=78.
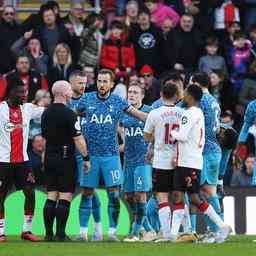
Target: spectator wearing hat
x=148, y=43
x=118, y=52
x=151, y=85
x=32, y=80
x=160, y=13
x=31, y=47
x=10, y=31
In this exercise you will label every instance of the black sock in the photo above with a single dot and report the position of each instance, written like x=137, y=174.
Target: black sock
x=49, y=215
x=62, y=213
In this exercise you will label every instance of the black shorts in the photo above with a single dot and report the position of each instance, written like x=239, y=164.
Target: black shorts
x=60, y=174
x=186, y=180
x=162, y=180
x=20, y=175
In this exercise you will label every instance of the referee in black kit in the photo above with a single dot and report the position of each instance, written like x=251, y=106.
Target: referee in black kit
x=61, y=129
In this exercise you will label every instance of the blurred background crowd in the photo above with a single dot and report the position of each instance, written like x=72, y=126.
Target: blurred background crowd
x=143, y=42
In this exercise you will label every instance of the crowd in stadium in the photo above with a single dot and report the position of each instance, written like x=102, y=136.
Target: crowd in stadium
x=143, y=46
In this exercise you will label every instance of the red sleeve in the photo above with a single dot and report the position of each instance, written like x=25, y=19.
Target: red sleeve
x=2, y=88
x=44, y=83
x=132, y=59
x=105, y=60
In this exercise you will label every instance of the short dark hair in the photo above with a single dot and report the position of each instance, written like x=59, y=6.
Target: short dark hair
x=109, y=72
x=52, y=4
x=188, y=15
x=22, y=56
x=212, y=41
x=195, y=91
x=144, y=10
x=169, y=90
x=76, y=73
x=117, y=24
x=91, y=18
x=239, y=34
x=175, y=76
x=202, y=79
x=45, y=8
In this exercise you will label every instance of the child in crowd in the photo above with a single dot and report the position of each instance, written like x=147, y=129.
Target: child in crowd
x=212, y=60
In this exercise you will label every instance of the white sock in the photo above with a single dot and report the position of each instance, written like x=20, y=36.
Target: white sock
x=177, y=217
x=165, y=217
x=84, y=231
x=2, y=226
x=210, y=212
x=112, y=231
x=186, y=223
x=27, y=225
x=98, y=228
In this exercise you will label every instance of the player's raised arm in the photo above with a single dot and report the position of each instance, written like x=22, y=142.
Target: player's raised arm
x=249, y=118
x=137, y=113
x=149, y=128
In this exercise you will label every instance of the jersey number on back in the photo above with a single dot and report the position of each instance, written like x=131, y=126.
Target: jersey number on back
x=168, y=128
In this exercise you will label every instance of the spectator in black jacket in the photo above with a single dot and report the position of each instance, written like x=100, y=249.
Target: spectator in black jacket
x=51, y=32
x=10, y=31
x=188, y=44
x=35, y=20
x=148, y=43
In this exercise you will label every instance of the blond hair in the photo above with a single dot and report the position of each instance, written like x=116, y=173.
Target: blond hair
x=55, y=58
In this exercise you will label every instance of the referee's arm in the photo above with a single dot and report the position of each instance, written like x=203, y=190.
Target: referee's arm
x=81, y=145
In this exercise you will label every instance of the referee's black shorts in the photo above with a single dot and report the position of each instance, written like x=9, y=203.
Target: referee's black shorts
x=60, y=173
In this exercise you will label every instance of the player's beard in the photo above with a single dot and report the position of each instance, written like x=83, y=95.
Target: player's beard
x=103, y=93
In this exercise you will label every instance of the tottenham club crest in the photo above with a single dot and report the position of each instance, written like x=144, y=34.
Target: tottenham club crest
x=147, y=41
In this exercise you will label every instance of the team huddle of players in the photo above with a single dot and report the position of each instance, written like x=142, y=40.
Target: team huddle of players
x=171, y=151
x=171, y=158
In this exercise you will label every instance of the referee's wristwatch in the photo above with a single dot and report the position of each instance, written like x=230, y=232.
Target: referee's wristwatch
x=86, y=158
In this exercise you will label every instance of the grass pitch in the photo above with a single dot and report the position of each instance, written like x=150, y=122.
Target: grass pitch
x=236, y=246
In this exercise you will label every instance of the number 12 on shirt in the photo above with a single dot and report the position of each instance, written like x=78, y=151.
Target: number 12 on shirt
x=168, y=128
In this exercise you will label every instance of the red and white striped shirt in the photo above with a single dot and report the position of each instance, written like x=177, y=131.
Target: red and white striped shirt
x=14, y=130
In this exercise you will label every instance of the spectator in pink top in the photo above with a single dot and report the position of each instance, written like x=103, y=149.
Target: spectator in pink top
x=160, y=13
